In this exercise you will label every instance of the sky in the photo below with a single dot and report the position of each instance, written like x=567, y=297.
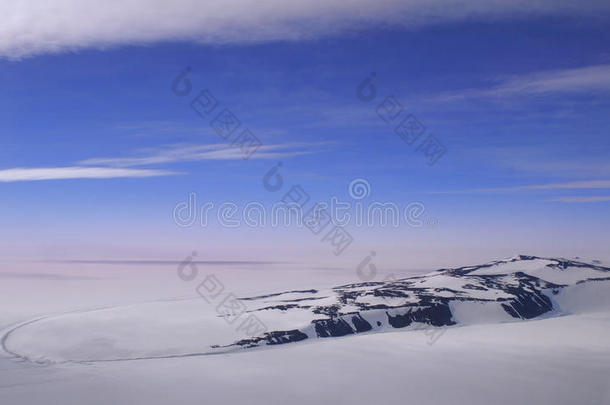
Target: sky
x=99, y=140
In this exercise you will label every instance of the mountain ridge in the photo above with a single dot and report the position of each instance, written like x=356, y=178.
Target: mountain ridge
x=521, y=287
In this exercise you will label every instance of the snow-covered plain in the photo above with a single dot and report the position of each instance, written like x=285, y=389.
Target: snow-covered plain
x=115, y=313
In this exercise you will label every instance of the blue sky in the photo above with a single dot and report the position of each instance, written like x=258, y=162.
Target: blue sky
x=519, y=99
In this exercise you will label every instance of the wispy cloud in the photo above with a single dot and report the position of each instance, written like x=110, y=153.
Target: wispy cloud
x=571, y=185
x=590, y=199
x=39, y=26
x=44, y=276
x=594, y=78
x=119, y=167
x=586, y=162
x=75, y=172
x=567, y=185
x=574, y=167
x=183, y=153
x=165, y=262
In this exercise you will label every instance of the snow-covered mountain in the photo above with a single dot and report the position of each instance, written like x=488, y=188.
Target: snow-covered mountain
x=127, y=331
x=511, y=290
x=519, y=288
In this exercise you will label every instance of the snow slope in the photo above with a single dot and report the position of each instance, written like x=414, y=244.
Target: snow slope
x=515, y=289
x=554, y=361
x=120, y=340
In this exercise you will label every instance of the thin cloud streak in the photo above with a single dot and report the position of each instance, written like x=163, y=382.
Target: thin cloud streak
x=44, y=276
x=107, y=168
x=595, y=78
x=591, y=199
x=183, y=153
x=546, y=161
x=76, y=172
x=569, y=185
x=166, y=262
x=572, y=185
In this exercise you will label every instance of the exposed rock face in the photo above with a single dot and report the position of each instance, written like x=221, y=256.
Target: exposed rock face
x=522, y=286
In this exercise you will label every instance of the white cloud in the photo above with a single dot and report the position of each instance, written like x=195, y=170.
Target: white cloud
x=589, y=78
x=547, y=160
x=40, y=26
x=118, y=167
x=568, y=185
x=596, y=77
x=75, y=172
x=571, y=185
x=582, y=199
x=183, y=153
